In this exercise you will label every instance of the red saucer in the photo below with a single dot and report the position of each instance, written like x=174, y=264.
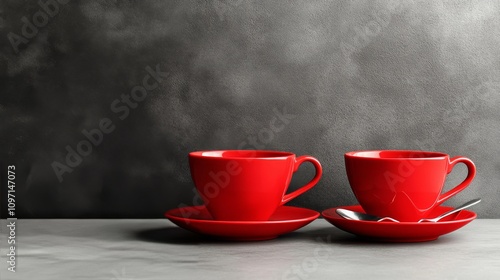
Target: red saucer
x=400, y=232
x=286, y=219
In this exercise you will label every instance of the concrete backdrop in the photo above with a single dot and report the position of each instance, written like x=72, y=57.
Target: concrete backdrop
x=159, y=79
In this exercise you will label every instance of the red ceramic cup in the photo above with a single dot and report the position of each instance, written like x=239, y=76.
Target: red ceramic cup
x=405, y=185
x=246, y=185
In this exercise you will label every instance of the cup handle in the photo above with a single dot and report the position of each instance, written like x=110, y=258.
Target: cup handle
x=314, y=181
x=470, y=175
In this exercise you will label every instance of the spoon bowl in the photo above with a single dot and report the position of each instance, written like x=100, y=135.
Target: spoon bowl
x=352, y=215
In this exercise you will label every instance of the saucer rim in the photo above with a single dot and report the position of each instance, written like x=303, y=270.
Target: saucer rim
x=313, y=216
x=338, y=217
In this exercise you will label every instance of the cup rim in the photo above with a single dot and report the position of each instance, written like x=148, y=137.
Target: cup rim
x=371, y=154
x=217, y=154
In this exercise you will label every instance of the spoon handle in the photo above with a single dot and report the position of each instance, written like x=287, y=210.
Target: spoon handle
x=459, y=208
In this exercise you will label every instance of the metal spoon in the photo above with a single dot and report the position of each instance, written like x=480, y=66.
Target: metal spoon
x=351, y=215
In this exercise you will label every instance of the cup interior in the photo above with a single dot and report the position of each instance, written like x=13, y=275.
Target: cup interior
x=395, y=154
x=238, y=154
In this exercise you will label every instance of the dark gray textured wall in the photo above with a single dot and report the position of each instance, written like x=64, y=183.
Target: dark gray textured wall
x=347, y=75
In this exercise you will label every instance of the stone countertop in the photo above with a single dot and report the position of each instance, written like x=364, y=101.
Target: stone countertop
x=156, y=249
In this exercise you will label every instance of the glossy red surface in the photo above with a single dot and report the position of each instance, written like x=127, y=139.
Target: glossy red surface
x=400, y=232
x=286, y=219
x=405, y=185
x=247, y=185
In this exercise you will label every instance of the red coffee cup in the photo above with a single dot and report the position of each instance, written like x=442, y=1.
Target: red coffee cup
x=404, y=185
x=247, y=185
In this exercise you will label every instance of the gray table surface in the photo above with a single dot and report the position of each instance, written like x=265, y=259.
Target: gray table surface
x=157, y=249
